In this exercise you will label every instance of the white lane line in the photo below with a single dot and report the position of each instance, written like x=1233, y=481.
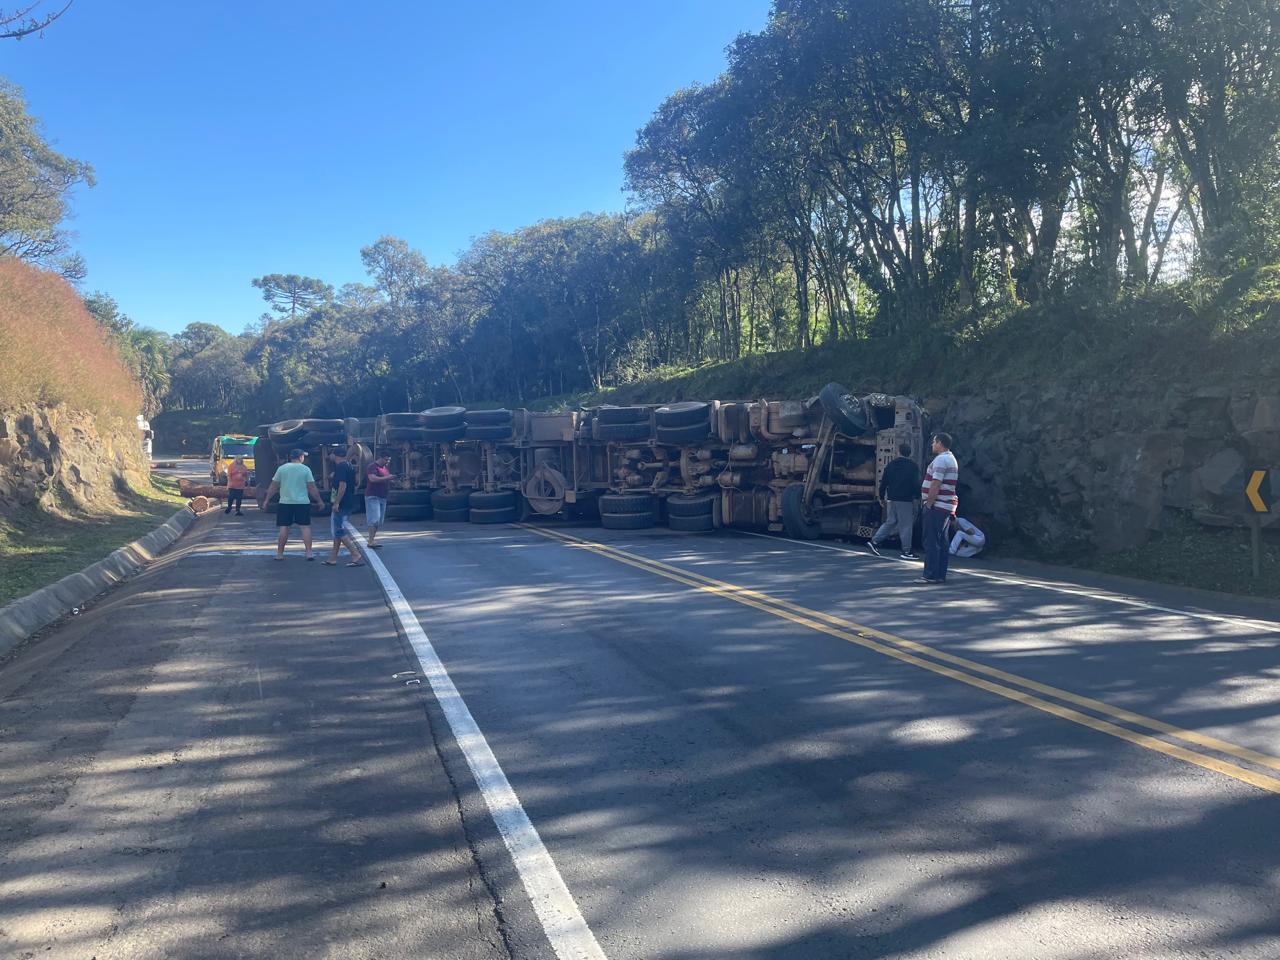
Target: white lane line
x=561, y=919
x=1269, y=626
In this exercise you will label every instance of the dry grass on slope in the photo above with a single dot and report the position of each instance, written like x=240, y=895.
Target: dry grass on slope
x=52, y=351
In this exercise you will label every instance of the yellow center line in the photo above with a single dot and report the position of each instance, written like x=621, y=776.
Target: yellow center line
x=909, y=651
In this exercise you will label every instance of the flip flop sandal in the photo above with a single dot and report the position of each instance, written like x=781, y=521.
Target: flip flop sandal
x=356, y=563
x=375, y=546
x=331, y=563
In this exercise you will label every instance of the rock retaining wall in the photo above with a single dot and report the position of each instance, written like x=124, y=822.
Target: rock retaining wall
x=1075, y=467
x=51, y=457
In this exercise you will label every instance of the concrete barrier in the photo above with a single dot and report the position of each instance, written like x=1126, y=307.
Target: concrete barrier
x=37, y=610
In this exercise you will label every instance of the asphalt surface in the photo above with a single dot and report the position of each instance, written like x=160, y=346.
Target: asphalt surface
x=715, y=780
x=731, y=746
x=217, y=761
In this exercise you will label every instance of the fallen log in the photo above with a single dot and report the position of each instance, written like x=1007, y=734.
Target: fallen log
x=190, y=489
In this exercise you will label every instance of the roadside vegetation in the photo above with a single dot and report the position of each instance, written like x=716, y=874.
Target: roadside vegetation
x=55, y=352
x=40, y=547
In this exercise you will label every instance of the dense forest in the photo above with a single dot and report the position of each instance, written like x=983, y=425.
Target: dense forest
x=863, y=169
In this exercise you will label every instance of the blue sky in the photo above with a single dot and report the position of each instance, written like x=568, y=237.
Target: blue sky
x=233, y=139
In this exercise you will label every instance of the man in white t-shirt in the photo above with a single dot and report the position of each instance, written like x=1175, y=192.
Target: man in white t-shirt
x=938, y=496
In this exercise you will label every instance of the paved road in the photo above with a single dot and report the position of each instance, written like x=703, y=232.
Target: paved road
x=217, y=761
x=184, y=469
x=731, y=747
x=721, y=774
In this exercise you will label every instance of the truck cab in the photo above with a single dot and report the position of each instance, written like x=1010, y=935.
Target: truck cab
x=226, y=447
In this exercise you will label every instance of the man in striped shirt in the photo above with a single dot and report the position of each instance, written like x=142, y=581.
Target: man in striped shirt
x=938, y=491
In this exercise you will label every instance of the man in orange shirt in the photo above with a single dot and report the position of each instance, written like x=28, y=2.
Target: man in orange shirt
x=237, y=480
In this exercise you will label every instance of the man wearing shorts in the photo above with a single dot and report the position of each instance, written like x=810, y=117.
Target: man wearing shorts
x=343, y=499
x=376, y=487
x=939, y=494
x=297, y=488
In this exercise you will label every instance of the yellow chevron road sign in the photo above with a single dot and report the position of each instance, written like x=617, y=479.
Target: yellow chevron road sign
x=1253, y=490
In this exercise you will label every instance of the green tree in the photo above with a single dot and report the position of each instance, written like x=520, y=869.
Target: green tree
x=35, y=183
x=290, y=293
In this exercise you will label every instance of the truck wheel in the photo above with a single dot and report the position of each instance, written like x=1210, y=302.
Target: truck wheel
x=844, y=409
x=700, y=524
x=620, y=415
x=311, y=440
x=500, y=515
x=285, y=432
x=795, y=521
x=444, y=500
x=626, y=521
x=406, y=498
x=488, y=431
x=698, y=505
x=439, y=417
x=500, y=500
x=684, y=436
x=488, y=418
x=406, y=435
x=452, y=516
x=442, y=434
x=622, y=431
x=325, y=426
x=620, y=503
x=683, y=414
x=402, y=420
x=408, y=511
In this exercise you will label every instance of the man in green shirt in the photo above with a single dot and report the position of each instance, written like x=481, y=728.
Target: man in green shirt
x=297, y=488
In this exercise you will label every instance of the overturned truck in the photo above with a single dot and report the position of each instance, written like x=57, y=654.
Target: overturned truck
x=808, y=468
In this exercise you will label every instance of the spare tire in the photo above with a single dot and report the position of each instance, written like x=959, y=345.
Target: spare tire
x=623, y=431
x=439, y=417
x=444, y=500
x=616, y=415
x=684, y=436
x=487, y=431
x=402, y=419
x=845, y=410
x=488, y=418
x=683, y=414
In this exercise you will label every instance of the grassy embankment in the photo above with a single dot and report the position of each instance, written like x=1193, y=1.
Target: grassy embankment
x=56, y=354
x=1199, y=334
x=38, y=547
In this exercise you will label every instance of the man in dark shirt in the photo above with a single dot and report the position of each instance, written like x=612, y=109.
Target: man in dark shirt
x=343, y=485
x=899, y=490
x=377, y=485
